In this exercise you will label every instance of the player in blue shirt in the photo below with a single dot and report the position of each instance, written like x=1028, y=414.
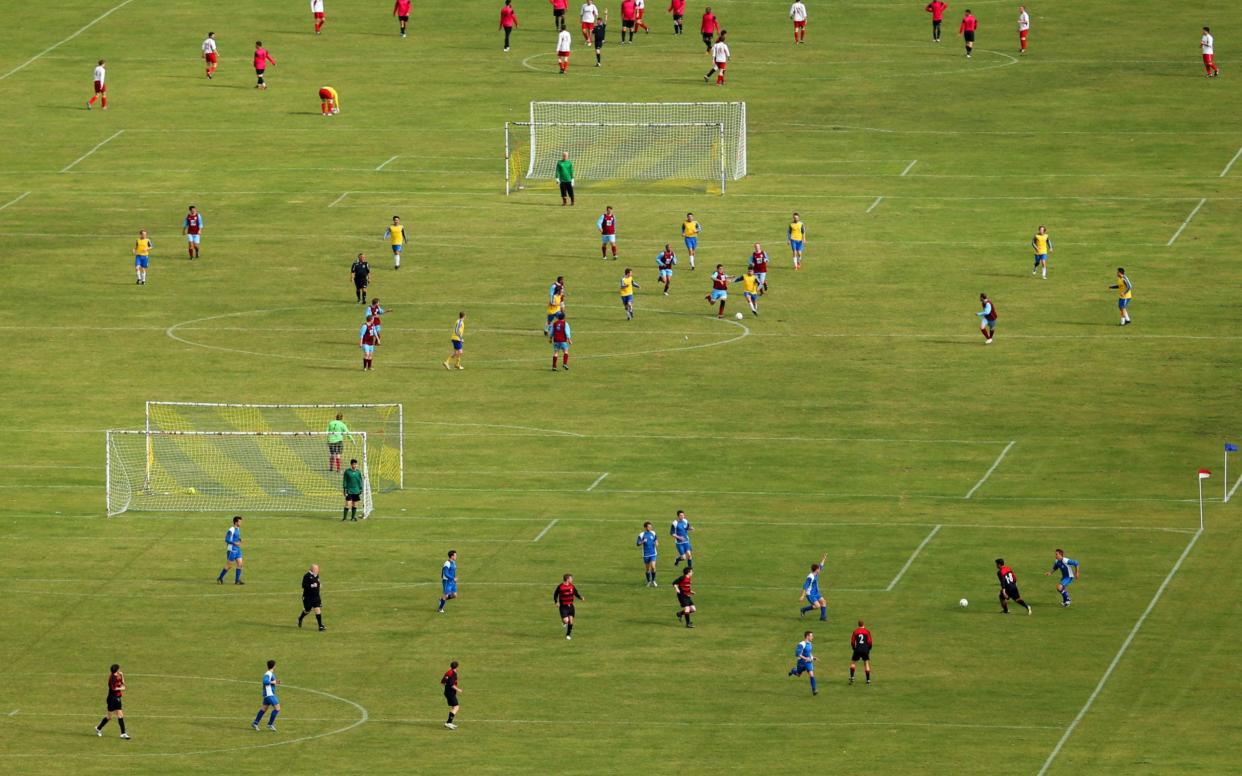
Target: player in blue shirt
x=232, y=553
x=270, y=701
x=806, y=660
x=448, y=579
x=810, y=592
x=1069, y=572
x=680, y=531
x=648, y=541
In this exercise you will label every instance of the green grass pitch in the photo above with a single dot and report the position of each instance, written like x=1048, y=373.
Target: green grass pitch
x=859, y=416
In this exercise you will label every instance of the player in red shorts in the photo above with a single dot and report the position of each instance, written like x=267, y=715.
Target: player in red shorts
x=588, y=13
x=317, y=12
x=329, y=101
x=210, y=54
x=1024, y=28
x=1206, y=44
x=101, y=87
x=720, y=59
x=797, y=12
x=641, y=7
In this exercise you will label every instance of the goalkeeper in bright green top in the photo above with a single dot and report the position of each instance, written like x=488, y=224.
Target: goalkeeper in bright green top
x=565, y=177
x=351, y=483
x=336, y=442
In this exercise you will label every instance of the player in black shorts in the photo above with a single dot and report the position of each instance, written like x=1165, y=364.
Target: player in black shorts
x=1008, y=587
x=564, y=596
x=311, y=600
x=601, y=34
x=860, y=640
x=449, y=680
x=558, y=18
x=685, y=596
x=360, y=273
x=116, y=689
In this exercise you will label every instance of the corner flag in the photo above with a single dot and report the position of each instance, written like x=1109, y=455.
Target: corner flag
x=1230, y=448
x=1204, y=474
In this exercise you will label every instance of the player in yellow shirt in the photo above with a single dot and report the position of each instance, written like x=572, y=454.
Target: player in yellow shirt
x=459, y=342
x=395, y=234
x=751, y=288
x=690, y=230
x=797, y=236
x=628, y=284
x=329, y=101
x=142, y=256
x=1124, y=289
x=556, y=303
x=1042, y=244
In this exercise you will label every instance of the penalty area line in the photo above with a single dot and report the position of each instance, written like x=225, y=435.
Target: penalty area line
x=15, y=201
x=598, y=480
x=111, y=137
x=1185, y=223
x=545, y=530
x=875, y=204
x=909, y=167
x=1229, y=166
x=338, y=199
x=390, y=161
x=1125, y=646
x=988, y=473
x=1229, y=495
x=55, y=46
x=910, y=560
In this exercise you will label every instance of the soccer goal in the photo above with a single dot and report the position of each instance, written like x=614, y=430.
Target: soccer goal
x=615, y=141
x=384, y=425
x=229, y=471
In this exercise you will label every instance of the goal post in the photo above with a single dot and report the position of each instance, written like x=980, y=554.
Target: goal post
x=229, y=471
x=384, y=425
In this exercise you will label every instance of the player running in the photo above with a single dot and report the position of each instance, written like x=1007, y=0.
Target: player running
x=861, y=641
x=459, y=343
x=317, y=14
x=508, y=20
x=232, y=553
x=1024, y=28
x=211, y=54
x=720, y=60
x=607, y=226
x=685, y=596
x=564, y=596
x=1042, y=244
x=665, y=261
x=600, y=33
x=1068, y=567
x=967, y=30
x=587, y=14
x=1124, y=292
x=690, y=231
x=448, y=581
x=449, y=680
x=680, y=531
x=368, y=338
x=648, y=541
x=261, y=60
x=804, y=654
x=401, y=10
x=270, y=700
x=751, y=289
x=116, y=689
x=936, y=9
x=142, y=256
x=640, y=8
x=628, y=284
x=720, y=289
x=395, y=235
x=987, y=319
x=759, y=263
x=797, y=12
x=101, y=86
x=796, y=236
x=561, y=337
x=1008, y=587
x=810, y=592
x=563, y=42
x=329, y=101
x=708, y=27
x=192, y=228
x=1207, y=45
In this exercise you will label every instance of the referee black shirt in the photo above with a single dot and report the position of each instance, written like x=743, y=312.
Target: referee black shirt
x=310, y=590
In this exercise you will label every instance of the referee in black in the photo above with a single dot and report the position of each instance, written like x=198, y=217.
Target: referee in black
x=310, y=597
x=360, y=272
x=600, y=33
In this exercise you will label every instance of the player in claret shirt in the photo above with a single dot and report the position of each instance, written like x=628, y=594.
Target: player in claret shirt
x=1008, y=587
x=561, y=337
x=665, y=261
x=810, y=592
x=368, y=338
x=806, y=660
x=563, y=596
x=607, y=226
x=720, y=289
x=192, y=228
x=648, y=541
x=685, y=596
x=861, y=641
x=1068, y=568
x=759, y=263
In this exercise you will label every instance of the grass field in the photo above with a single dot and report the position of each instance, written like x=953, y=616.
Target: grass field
x=859, y=416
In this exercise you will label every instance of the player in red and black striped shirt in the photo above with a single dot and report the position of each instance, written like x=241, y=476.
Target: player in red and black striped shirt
x=685, y=596
x=1008, y=587
x=116, y=688
x=860, y=640
x=564, y=596
x=449, y=680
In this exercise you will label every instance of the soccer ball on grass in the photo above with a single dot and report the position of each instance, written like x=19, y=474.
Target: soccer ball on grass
x=738, y=316
x=963, y=603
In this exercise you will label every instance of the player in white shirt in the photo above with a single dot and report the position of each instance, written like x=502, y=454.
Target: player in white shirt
x=720, y=60
x=797, y=12
x=1024, y=27
x=210, y=54
x=588, y=14
x=563, y=41
x=101, y=88
x=317, y=12
x=641, y=7
x=1207, y=44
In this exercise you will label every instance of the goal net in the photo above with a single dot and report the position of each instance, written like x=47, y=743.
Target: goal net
x=229, y=471
x=384, y=425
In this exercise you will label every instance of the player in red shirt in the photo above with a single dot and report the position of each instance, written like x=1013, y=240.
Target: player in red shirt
x=708, y=27
x=508, y=20
x=936, y=9
x=685, y=596
x=368, y=338
x=558, y=13
x=629, y=19
x=449, y=681
x=720, y=289
x=192, y=228
x=678, y=9
x=564, y=596
x=860, y=640
x=401, y=10
x=261, y=60
x=116, y=688
x=1008, y=587
x=967, y=30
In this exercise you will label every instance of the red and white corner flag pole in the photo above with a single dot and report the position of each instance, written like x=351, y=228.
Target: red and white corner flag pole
x=1203, y=475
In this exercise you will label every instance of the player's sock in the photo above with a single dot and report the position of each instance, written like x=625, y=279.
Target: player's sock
x=271, y=718
x=687, y=619
x=689, y=563
x=720, y=79
x=441, y=605
x=721, y=311
x=680, y=613
x=678, y=561
x=302, y=616
x=353, y=513
x=450, y=718
x=319, y=619
x=805, y=609
x=1024, y=604
x=813, y=690
x=237, y=574
x=102, y=723
x=258, y=717
x=597, y=58
x=566, y=360
x=851, y=673
x=121, y=721
x=554, y=362
x=344, y=513
x=1065, y=596
x=569, y=629
x=223, y=571
x=396, y=262
x=823, y=614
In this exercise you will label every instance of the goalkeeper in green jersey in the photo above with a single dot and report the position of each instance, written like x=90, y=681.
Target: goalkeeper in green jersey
x=351, y=484
x=336, y=442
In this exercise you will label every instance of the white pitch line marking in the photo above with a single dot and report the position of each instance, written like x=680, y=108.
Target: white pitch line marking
x=13, y=713
x=1229, y=495
x=875, y=204
x=910, y=560
x=1125, y=645
x=111, y=137
x=909, y=168
x=995, y=463
x=55, y=46
x=338, y=199
x=1178, y=233
x=385, y=164
x=598, y=480
x=544, y=532
x=1229, y=166
x=15, y=201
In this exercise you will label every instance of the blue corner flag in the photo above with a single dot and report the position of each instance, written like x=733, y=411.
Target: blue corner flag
x=1230, y=448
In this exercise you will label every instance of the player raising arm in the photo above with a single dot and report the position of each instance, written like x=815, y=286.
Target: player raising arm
x=810, y=591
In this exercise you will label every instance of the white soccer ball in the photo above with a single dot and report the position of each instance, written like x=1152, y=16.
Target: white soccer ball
x=963, y=603
x=738, y=316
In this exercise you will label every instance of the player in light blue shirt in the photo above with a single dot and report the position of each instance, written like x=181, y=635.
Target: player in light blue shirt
x=680, y=531
x=448, y=579
x=232, y=553
x=810, y=592
x=648, y=541
x=270, y=701
x=806, y=660
x=1068, y=567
